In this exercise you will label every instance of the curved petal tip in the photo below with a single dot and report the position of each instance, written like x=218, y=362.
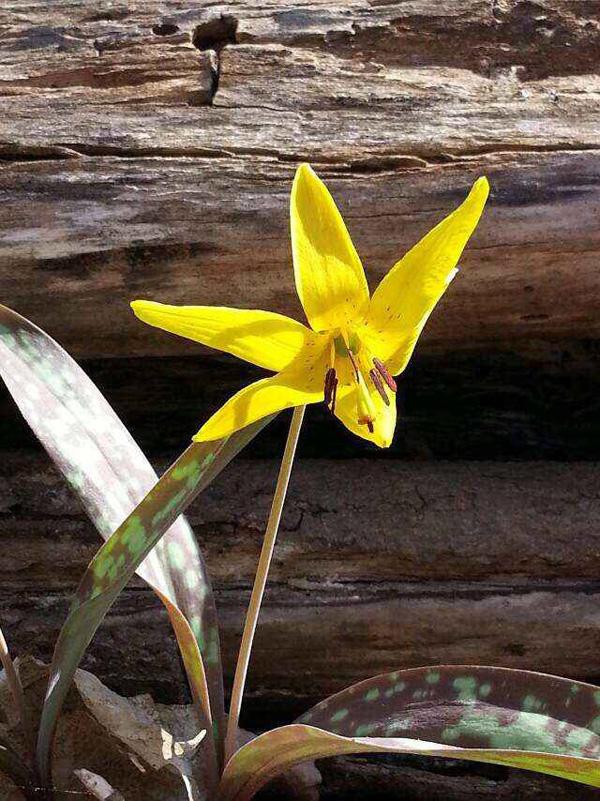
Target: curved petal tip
x=481, y=188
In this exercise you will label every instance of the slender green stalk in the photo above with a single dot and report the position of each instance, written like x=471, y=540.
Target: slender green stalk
x=260, y=581
x=16, y=690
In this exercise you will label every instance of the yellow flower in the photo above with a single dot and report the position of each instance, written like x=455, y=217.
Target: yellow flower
x=355, y=344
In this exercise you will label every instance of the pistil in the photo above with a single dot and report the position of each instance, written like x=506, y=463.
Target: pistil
x=364, y=405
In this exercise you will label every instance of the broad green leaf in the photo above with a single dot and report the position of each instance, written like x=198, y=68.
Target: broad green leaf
x=263, y=759
x=471, y=706
x=119, y=557
x=486, y=714
x=111, y=475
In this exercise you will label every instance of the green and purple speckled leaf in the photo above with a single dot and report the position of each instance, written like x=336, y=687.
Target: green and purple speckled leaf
x=469, y=706
x=508, y=717
x=109, y=472
x=263, y=759
x=116, y=562
x=111, y=475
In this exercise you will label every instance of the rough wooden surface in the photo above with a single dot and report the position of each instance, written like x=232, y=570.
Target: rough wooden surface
x=346, y=779
x=535, y=401
x=150, y=147
x=379, y=565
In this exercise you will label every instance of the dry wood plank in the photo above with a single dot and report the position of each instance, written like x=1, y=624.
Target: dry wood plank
x=315, y=641
x=318, y=106
x=64, y=69
x=348, y=521
x=379, y=565
x=537, y=401
x=117, y=182
x=547, y=37
x=97, y=232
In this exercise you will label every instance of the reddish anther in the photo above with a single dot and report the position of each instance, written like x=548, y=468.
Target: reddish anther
x=385, y=374
x=376, y=379
x=330, y=384
x=370, y=426
x=334, y=395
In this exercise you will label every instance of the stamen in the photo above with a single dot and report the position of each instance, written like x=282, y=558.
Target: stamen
x=354, y=364
x=370, y=426
x=334, y=395
x=330, y=384
x=375, y=378
x=385, y=374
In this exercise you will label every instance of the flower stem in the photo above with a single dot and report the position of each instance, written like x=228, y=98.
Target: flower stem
x=260, y=581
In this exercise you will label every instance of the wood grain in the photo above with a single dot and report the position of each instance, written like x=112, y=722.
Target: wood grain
x=150, y=149
x=378, y=565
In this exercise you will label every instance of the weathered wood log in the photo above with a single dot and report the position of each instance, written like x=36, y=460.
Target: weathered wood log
x=534, y=401
x=379, y=565
x=150, y=152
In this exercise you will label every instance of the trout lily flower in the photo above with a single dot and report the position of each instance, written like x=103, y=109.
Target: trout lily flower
x=355, y=345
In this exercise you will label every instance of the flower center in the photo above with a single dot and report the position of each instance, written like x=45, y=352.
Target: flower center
x=350, y=358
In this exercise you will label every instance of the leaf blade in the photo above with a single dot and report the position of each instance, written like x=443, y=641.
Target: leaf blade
x=468, y=705
x=503, y=716
x=106, y=468
x=118, y=558
x=263, y=759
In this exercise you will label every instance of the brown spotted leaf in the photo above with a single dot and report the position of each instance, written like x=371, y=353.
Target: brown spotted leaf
x=509, y=717
x=111, y=475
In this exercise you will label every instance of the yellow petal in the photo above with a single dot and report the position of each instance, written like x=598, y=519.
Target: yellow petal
x=269, y=340
x=385, y=416
x=409, y=292
x=301, y=383
x=330, y=279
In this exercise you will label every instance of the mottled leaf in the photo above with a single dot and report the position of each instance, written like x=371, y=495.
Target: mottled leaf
x=470, y=706
x=509, y=717
x=266, y=757
x=117, y=560
x=111, y=475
